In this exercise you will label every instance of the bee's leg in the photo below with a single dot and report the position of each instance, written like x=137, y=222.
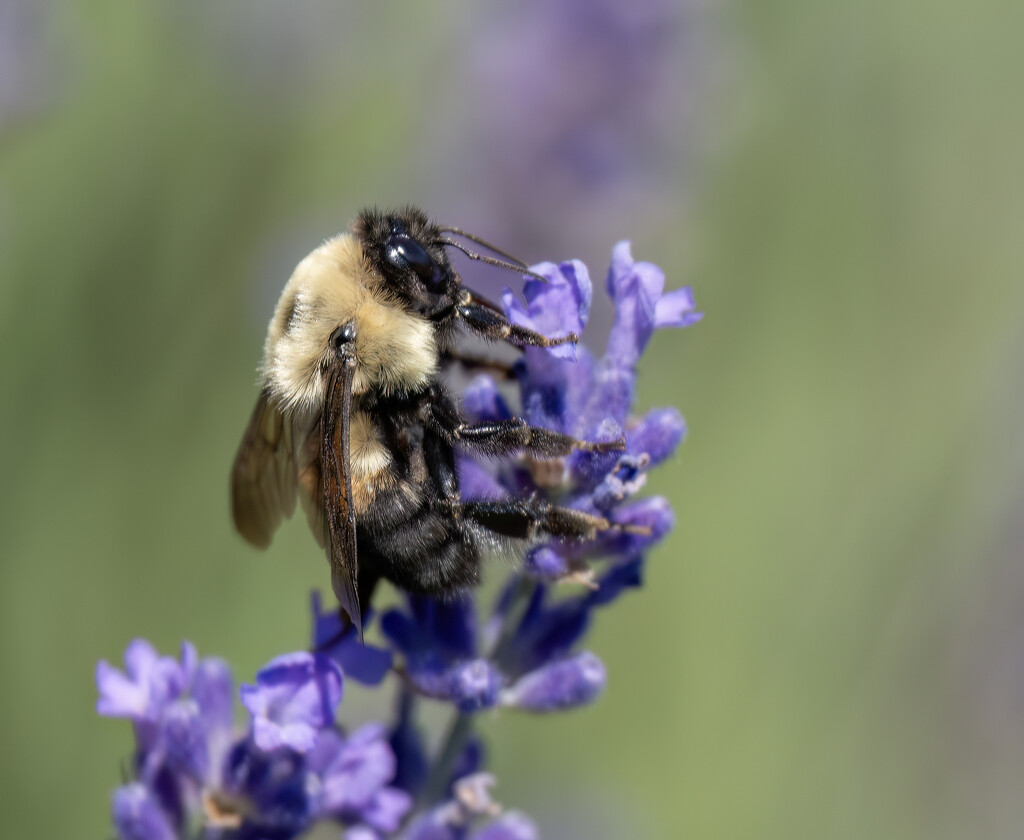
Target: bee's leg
x=503, y=437
x=524, y=518
x=487, y=321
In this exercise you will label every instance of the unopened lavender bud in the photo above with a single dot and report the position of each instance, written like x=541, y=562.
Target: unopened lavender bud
x=563, y=684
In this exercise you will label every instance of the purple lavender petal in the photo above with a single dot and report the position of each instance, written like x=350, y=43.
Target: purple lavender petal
x=628, y=478
x=148, y=683
x=386, y=810
x=352, y=770
x=476, y=482
x=657, y=435
x=360, y=832
x=512, y=825
x=276, y=784
x=677, y=309
x=545, y=563
x=631, y=289
x=474, y=685
x=119, y=695
x=654, y=513
x=137, y=815
x=590, y=468
x=182, y=739
x=213, y=690
x=483, y=401
x=432, y=629
x=559, y=685
x=440, y=823
x=545, y=633
x=615, y=581
x=640, y=307
x=365, y=663
x=295, y=695
x=556, y=393
x=555, y=308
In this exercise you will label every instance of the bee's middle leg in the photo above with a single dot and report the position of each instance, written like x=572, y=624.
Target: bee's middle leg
x=527, y=519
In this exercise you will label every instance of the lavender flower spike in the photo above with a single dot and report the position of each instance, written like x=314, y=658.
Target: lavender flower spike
x=292, y=765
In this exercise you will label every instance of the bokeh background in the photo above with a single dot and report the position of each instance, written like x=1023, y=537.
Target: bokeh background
x=831, y=644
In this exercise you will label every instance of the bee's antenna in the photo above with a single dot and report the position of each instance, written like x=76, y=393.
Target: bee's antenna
x=519, y=269
x=494, y=249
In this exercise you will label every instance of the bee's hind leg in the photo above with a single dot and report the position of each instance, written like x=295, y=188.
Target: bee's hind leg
x=528, y=519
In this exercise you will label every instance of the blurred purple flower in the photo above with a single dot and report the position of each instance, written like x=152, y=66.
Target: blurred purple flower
x=294, y=697
x=30, y=65
x=438, y=642
x=359, y=661
x=353, y=774
x=561, y=684
x=573, y=116
x=470, y=802
x=138, y=816
x=148, y=683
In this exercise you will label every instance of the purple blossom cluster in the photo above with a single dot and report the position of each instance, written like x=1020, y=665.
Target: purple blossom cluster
x=291, y=765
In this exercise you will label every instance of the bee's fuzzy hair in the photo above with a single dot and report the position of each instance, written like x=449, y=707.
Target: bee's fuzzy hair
x=395, y=349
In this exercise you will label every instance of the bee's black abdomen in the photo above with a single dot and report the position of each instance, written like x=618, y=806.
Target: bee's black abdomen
x=429, y=553
x=413, y=534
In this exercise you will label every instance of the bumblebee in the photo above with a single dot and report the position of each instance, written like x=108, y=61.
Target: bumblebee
x=354, y=417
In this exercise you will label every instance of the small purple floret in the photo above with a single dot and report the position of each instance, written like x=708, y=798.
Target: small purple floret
x=137, y=815
x=555, y=308
x=640, y=307
x=657, y=435
x=563, y=684
x=512, y=825
x=360, y=661
x=295, y=695
x=474, y=685
x=148, y=683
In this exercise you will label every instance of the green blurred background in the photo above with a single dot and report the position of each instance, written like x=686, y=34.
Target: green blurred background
x=831, y=644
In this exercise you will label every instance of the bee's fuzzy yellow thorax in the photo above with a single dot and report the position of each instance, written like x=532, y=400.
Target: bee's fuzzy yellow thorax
x=395, y=348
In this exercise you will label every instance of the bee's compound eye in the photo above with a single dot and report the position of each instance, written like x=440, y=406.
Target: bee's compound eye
x=405, y=252
x=343, y=336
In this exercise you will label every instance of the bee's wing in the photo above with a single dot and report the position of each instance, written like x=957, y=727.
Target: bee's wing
x=336, y=485
x=263, y=475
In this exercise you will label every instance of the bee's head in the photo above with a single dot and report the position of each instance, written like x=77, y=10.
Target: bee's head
x=407, y=252
x=332, y=308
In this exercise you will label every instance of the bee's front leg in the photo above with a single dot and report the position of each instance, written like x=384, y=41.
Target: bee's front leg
x=488, y=322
